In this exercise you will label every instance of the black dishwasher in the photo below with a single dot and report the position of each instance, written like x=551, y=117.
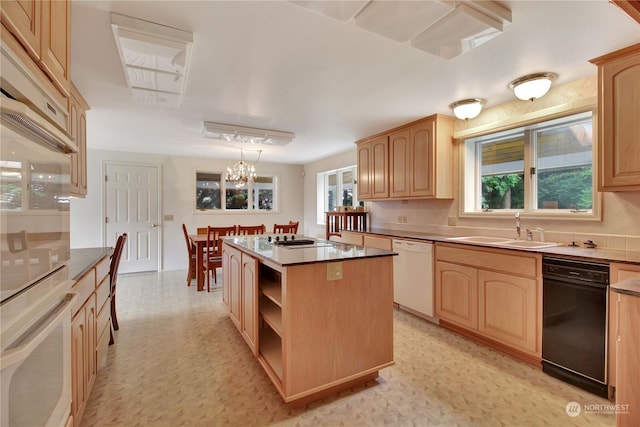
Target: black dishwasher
x=574, y=329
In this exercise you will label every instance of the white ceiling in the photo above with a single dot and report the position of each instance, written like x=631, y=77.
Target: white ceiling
x=275, y=65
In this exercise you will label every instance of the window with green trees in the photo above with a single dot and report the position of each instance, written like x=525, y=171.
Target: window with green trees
x=542, y=167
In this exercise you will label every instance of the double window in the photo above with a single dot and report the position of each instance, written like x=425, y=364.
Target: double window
x=545, y=168
x=214, y=193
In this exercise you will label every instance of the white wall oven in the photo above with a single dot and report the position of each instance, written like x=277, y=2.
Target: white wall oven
x=35, y=303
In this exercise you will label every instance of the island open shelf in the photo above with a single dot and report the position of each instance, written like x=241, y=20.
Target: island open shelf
x=318, y=319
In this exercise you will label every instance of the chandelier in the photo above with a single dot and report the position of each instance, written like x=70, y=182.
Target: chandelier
x=242, y=171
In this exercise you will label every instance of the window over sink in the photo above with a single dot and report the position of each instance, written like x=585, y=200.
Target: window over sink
x=213, y=193
x=545, y=169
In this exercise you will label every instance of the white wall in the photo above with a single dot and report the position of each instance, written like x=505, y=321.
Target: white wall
x=311, y=170
x=178, y=199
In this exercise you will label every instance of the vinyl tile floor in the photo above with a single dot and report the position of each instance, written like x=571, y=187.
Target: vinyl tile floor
x=178, y=360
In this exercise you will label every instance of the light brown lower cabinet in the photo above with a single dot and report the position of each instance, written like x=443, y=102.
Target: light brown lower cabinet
x=312, y=333
x=617, y=273
x=457, y=294
x=90, y=328
x=491, y=295
x=232, y=282
x=628, y=361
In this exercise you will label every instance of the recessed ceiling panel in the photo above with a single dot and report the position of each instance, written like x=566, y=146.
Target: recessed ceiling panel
x=154, y=57
x=343, y=11
x=401, y=20
x=461, y=30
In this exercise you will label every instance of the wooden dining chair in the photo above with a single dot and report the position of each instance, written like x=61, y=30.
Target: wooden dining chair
x=213, y=255
x=191, y=251
x=243, y=230
x=113, y=278
x=292, y=227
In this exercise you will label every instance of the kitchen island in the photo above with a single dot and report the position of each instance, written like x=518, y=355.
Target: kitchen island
x=318, y=316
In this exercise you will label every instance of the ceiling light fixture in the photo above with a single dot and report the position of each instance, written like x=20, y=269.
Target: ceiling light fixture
x=467, y=109
x=232, y=133
x=155, y=59
x=532, y=86
x=242, y=171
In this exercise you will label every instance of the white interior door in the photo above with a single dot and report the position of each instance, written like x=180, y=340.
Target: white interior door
x=132, y=207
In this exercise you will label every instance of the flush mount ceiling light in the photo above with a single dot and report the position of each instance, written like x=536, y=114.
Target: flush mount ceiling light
x=232, y=133
x=467, y=109
x=443, y=28
x=155, y=59
x=532, y=86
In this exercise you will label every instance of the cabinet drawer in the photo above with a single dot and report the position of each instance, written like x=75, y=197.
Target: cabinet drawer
x=103, y=319
x=102, y=270
x=102, y=346
x=377, y=242
x=102, y=293
x=84, y=287
x=512, y=262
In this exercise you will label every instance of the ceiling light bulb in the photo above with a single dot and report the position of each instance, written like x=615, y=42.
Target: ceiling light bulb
x=532, y=86
x=467, y=109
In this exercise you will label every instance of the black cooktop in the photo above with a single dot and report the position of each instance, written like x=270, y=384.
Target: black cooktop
x=296, y=242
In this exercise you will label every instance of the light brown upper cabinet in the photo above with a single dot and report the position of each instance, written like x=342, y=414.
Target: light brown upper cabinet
x=373, y=168
x=23, y=19
x=419, y=158
x=78, y=129
x=618, y=127
x=43, y=28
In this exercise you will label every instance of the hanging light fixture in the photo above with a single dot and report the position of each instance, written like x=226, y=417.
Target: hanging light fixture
x=242, y=171
x=532, y=86
x=467, y=109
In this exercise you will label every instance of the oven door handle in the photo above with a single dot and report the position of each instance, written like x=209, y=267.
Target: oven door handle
x=32, y=337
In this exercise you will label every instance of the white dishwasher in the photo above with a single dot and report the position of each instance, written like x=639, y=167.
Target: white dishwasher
x=413, y=276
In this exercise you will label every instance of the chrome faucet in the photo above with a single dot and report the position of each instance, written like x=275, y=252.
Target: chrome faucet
x=517, y=225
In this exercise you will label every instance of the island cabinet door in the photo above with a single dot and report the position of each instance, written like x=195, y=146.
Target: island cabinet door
x=232, y=282
x=249, y=295
x=508, y=309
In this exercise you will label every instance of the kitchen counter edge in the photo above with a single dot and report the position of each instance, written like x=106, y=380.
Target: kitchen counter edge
x=83, y=259
x=603, y=254
x=628, y=287
x=262, y=256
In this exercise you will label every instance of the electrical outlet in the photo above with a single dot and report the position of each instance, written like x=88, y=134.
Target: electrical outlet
x=404, y=219
x=334, y=271
x=452, y=221
x=399, y=220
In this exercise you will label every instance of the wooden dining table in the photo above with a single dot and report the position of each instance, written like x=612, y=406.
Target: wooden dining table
x=200, y=240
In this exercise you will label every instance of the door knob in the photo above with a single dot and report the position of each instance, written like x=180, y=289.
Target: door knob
x=154, y=225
